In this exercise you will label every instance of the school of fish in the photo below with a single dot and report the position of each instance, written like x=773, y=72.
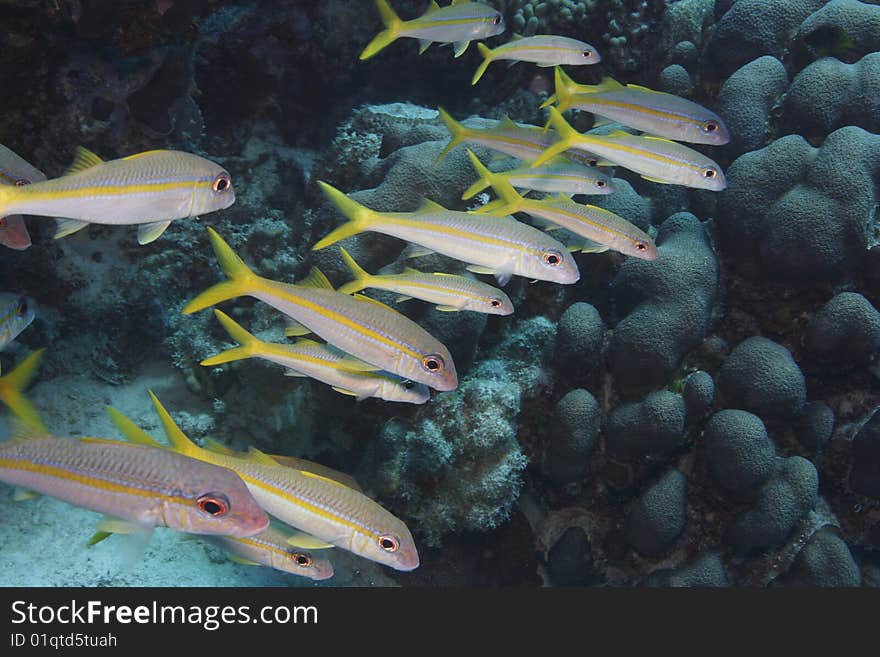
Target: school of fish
x=280, y=511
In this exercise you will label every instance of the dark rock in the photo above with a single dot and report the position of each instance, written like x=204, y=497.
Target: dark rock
x=570, y=560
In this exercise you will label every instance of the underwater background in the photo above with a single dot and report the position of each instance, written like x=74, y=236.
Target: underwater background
x=703, y=419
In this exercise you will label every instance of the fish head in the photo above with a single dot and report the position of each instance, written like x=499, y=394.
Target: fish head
x=214, y=190
x=494, y=303
x=391, y=544
x=710, y=130
x=19, y=313
x=217, y=502
x=396, y=389
x=551, y=261
x=642, y=247
x=13, y=233
x=305, y=564
x=488, y=21
x=601, y=184
x=434, y=368
x=706, y=175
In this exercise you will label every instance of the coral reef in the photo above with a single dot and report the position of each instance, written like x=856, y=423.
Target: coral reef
x=657, y=517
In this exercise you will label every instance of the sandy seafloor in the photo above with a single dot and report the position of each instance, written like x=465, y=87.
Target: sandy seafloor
x=43, y=541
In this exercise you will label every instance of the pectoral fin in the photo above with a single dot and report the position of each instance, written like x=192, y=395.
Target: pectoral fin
x=447, y=309
x=307, y=541
x=459, y=47
x=424, y=44
x=152, y=231
x=68, y=227
x=22, y=494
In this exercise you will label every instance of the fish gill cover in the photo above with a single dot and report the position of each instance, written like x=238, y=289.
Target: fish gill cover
x=705, y=417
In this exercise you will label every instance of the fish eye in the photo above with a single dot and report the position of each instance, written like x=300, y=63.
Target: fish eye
x=213, y=504
x=408, y=385
x=641, y=246
x=221, y=182
x=496, y=20
x=587, y=53
x=495, y=303
x=21, y=181
x=600, y=183
x=552, y=258
x=433, y=363
x=389, y=543
x=709, y=173
x=301, y=559
x=710, y=126
x=22, y=307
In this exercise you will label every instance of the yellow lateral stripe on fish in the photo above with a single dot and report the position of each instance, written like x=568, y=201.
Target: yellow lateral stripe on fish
x=448, y=291
x=655, y=158
x=146, y=486
x=504, y=246
x=322, y=363
x=149, y=190
x=371, y=332
x=271, y=548
x=542, y=49
x=12, y=386
x=458, y=23
x=318, y=506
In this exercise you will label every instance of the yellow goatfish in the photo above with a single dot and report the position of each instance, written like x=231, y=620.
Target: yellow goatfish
x=272, y=547
x=655, y=112
x=141, y=486
x=149, y=189
x=524, y=142
x=554, y=178
x=502, y=247
x=541, y=49
x=364, y=328
x=603, y=229
x=16, y=314
x=320, y=362
x=320, y=507
x=16, y=171
x=459, y=23
x=656, y=159
x=450, y=292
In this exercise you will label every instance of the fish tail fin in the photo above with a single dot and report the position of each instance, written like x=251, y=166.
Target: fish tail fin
x=241, y=278
x=360, y=217
x=565, y=88
x=511, y=200
x=386, y=37
x=487, y=59
x=179, y=440
x=361, y=277
x=567, y=137
x=12, y=386
x=132, y=432
x=458, y=132
x=248, y=344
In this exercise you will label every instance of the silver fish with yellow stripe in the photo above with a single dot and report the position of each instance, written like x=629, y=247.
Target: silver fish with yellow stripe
x=450, y=292
x=321, y=362
x=655, y=158
x=602, y=229
x=541, y=49
x=555, y=178
x=655, y=112
x=502, y=247
x=524, y=142
x=272, y=548
x=16, y=171
x=149, y=189
x=16, y=314
x=143, y=486
x=459, y=23
x=362, y=327
x=320, y=507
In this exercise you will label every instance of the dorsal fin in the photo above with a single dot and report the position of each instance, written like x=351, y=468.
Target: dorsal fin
x=137, y=156
x=314, y=475
x=410, y=271
x=180, y=441
x=616, y=133
x=23, y=430
x=432, y=8
x=316, y=279
x=132, y=432
x=256, y=456
x=219, y=448
x=428, y=205
x=507, y=122
x=641, y=88
x=83, y=159
x=307, y=342
x=362, y=297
